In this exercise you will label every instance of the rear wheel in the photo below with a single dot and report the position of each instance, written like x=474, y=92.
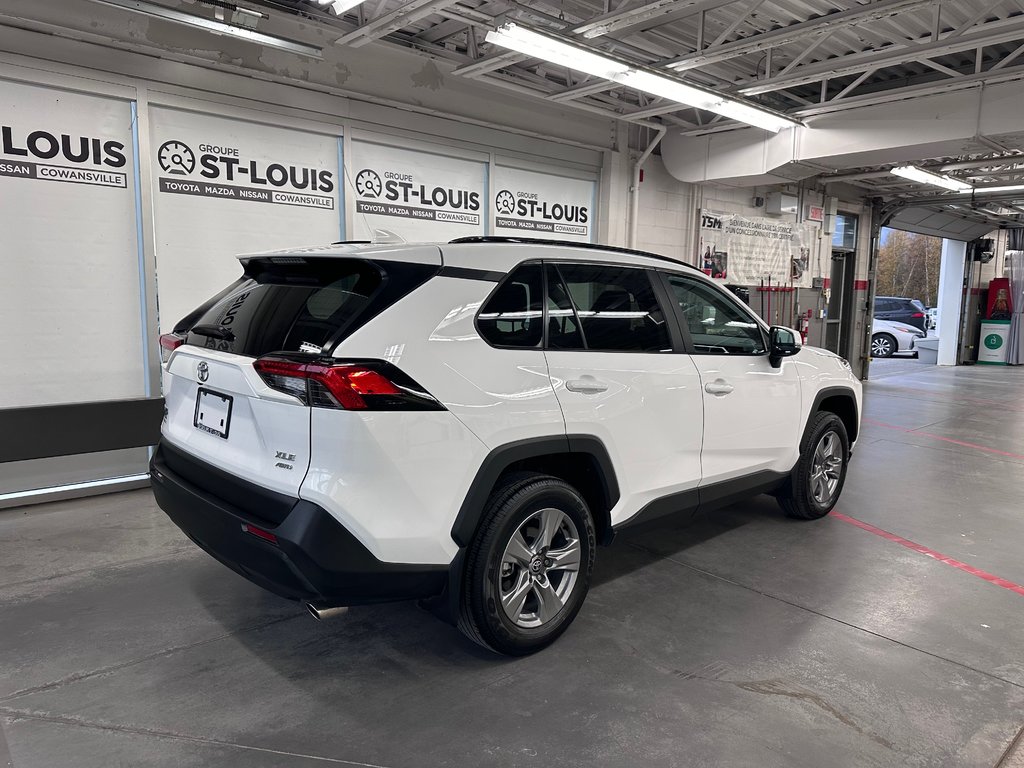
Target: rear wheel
x=883, y=345
x=817, y=480
x=528, y=569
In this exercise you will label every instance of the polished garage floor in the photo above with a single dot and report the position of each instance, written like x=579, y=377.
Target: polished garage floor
x=744, y=639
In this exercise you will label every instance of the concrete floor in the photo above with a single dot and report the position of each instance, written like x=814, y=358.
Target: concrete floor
x=743, y=639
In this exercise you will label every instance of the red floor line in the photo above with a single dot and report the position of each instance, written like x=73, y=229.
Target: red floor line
x=920, y=549
x=943, y=439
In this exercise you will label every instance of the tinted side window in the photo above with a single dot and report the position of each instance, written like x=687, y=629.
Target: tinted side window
x=617, y=308
x=717, y=325
x=514, y=316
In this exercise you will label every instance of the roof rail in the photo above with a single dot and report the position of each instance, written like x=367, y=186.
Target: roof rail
x=570, y=244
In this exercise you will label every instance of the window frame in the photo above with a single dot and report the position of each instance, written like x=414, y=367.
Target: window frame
x=678, y=344
x=729, y=297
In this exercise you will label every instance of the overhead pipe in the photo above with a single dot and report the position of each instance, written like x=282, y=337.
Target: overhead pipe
x=634, y=190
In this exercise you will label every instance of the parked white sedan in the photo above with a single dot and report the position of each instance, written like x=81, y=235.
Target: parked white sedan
x=888, y=337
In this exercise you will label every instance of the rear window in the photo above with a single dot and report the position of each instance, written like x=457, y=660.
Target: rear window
x=305, y=306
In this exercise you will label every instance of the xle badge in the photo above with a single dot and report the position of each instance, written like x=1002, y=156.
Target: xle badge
x=284, y=460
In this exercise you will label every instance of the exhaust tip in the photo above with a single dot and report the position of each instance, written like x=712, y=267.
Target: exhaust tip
x=323, y=613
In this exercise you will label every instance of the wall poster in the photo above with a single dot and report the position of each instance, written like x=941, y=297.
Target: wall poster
x=748, y=249
x=419, y=196
x=533, y=204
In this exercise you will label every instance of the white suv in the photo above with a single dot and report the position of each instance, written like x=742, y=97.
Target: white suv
x=465, y=422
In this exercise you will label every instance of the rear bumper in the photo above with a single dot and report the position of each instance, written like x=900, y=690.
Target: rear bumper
x=314, y=558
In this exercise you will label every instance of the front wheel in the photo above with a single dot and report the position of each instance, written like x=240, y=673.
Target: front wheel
x=528, y=569
x=817, y=480
x=883, y=345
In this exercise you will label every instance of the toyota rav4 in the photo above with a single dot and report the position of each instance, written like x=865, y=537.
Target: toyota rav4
x=464, y=423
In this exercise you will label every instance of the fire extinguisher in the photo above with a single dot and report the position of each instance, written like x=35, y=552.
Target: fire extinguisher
x=805, y=325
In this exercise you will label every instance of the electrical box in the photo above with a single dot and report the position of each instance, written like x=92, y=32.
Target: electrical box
x=780, y=202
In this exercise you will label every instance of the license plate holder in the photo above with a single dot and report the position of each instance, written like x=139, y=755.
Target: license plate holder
x=213, y=412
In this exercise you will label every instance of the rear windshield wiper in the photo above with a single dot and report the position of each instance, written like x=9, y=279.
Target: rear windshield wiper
x=214, y=332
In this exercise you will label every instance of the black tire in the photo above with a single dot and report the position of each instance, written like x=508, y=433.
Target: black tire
x=798, y=497
x=883, y=345
x=517, y=507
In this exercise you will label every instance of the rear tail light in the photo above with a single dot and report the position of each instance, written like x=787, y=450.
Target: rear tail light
x=357, y=385
x=168, y=343
x=918, y=314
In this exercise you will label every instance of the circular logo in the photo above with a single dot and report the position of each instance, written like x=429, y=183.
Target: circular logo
x=203, y=371
x=176, y=157
x=368, y=183
x=536, y=564
x=993, y=341
x=505, y=202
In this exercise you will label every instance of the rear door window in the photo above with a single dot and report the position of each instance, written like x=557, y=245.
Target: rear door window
x=301, y=308
x=617, y=308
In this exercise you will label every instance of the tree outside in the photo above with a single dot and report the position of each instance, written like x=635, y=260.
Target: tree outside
x=908, y=265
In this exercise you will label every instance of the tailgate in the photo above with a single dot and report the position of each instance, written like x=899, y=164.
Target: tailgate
x=220, y=411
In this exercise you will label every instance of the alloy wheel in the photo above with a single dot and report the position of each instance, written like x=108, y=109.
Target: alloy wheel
x=539, y=568
x=826, y=468
x=881, y=347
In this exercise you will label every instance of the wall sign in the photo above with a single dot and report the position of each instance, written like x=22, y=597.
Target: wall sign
x=814, y=213
x=33, y=152
x=68, y=219
x=528, y=203
x=420, y=196
x=226, y=170
x=225, y=187
x=748, y=249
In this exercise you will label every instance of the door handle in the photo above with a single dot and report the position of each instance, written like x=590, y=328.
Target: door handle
x=586, y=385
x=718, y=387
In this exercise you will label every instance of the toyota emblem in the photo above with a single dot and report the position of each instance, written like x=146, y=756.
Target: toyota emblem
x=203, y=371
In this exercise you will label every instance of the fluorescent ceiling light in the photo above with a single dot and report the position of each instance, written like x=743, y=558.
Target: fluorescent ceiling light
x=214, y=26
x=540, y=46
x=1007, y=188
x=340, y=6
x=922, y=176
x=547, y=48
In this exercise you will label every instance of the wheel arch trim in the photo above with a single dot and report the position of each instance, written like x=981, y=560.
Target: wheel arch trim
x=828, y=393
x=502, y=458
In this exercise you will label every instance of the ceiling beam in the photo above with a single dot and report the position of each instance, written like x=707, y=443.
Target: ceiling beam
x=888, y=57
x=490, y=63
x=751, y=6
x=391, y=22
x=796, y=32
x=579, y=91
x=658, y=11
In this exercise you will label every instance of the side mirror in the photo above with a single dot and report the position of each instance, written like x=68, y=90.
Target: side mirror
x=782, y=342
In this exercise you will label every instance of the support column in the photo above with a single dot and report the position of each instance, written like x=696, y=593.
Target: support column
x=951, y=294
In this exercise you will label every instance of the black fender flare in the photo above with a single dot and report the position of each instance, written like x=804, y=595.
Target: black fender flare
x=501, y=458
x=829, y=392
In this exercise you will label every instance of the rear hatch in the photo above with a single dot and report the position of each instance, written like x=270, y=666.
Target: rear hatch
x=228, y=407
